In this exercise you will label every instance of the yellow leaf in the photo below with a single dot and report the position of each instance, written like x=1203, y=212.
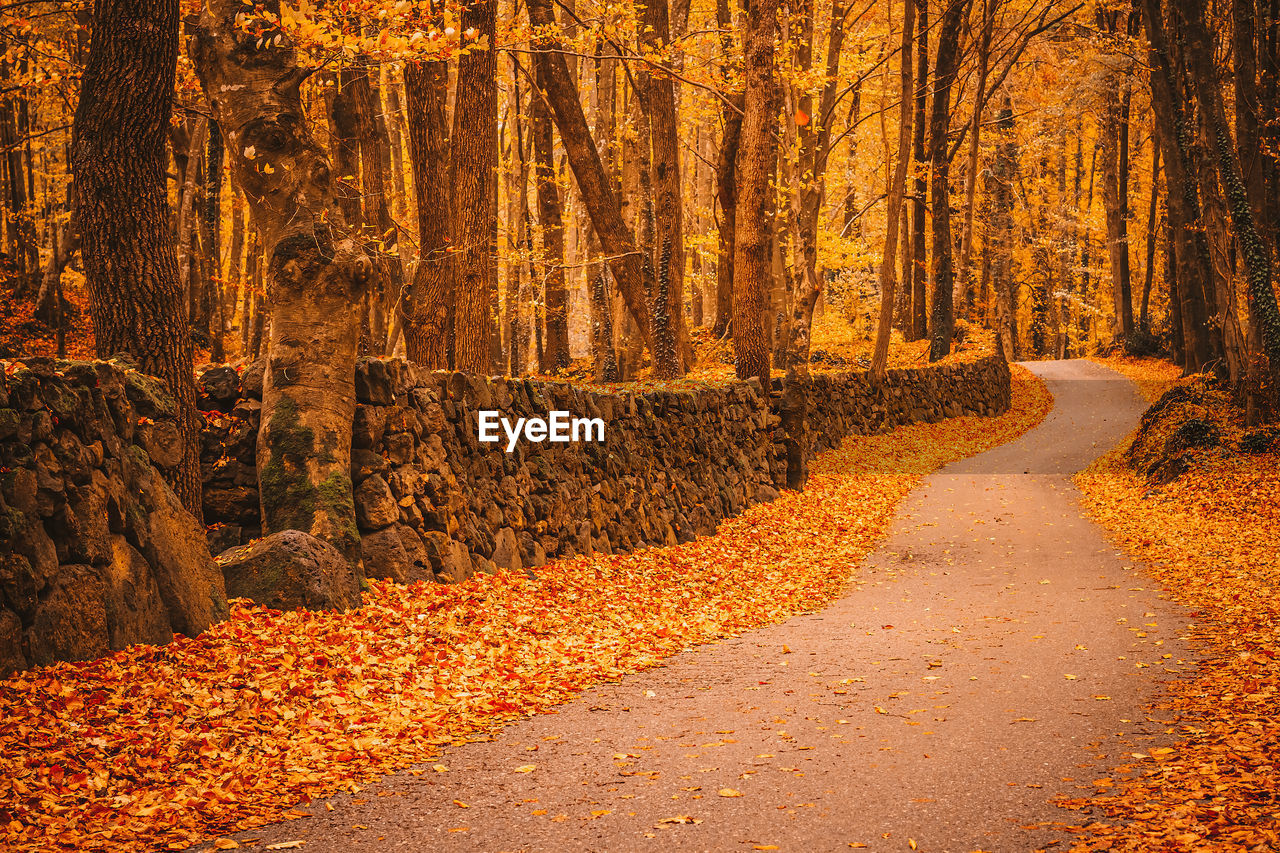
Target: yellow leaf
x=730, y=792
x=527, y=768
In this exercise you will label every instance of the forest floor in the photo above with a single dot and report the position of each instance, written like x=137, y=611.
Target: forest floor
x=993, y=656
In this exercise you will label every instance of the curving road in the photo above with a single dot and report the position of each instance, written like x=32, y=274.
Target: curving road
x=995, y=652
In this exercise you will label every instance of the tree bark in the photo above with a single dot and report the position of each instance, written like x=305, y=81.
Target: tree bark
x=315, y=272
x=667, y=299
x=429, y=311
x=897, y=189
x=473, y=181
x=1194, y=268
x=757, y=154
x=118, y=161
x=943, y=319
x=555, y=352
x=1257, y=261
x=919, y=271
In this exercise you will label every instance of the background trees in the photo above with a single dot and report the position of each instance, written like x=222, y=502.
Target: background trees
x=1076, y=174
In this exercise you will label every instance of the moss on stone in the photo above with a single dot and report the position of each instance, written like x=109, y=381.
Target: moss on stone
x=288, y=497
x=337, y=501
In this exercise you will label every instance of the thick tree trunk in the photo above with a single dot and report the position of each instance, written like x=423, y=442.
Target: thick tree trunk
x=1148, y=277
x=211, y=222
x=942, y=315
x=429, y=311
x=757, y=154
x=473, y=179
x=314, y=268
x=727, y=201
x=815, y=148
x=964, y=282
x=118, y=161
x=600, y=291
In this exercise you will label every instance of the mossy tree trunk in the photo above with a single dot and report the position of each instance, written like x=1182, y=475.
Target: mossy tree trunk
x=315, y=271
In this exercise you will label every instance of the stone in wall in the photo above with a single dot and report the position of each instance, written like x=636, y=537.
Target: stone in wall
x=96, y=552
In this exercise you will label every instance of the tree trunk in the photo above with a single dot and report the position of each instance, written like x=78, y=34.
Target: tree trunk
x=1144, y=322
x=943, y=319
x=473, y=179
x=429, y=311
x=964, y=278
x=815, y=148
x=757, y=154
x=597, y=194
x=1194, y=268
x=1115, y=156
x=118, y=161
x=555, y=352
x=919, y=271
x=314, y=268
x=1001, y=238
x=727, y=201
x=1257, y=260
x=600, y=293
x=212, y=223
x=659, y=94
x=897, y=188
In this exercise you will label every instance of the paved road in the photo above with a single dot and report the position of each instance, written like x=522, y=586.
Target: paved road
x=988, y=659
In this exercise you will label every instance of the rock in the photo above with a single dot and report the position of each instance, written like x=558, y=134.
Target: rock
x=506, y=550
x=365, y=463
x=373, y=385
x=415, y=551
x=231, y=505
x=71, y=621
x=291, y=570
x=188, y=578
x=224, y=536
x=384, y=556
x=12, y=658
x=251, y=381
x=150, y=396
x=219, y=389
x=375, y=505
x=135, y=611
x=162, y=443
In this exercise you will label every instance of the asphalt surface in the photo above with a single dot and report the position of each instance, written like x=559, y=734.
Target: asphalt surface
x=994, y=652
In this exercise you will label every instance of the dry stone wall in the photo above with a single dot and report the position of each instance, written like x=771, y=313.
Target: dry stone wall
x=434, y=503
x=96, y=552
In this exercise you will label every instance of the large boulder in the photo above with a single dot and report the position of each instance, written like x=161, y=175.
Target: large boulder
x=290, y=570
